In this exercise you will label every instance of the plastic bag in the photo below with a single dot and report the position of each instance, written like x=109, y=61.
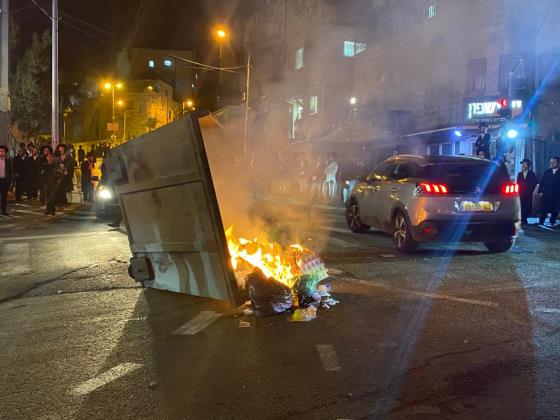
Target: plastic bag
x=268, y=296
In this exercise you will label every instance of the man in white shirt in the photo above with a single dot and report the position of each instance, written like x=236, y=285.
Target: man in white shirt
x=5, y=179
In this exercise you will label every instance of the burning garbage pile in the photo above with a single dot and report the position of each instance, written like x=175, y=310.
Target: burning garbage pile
x=280, y=279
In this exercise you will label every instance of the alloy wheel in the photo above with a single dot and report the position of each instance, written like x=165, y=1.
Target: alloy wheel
x=400, y=230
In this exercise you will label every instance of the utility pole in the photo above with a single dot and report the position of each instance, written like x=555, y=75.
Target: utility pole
x=55, y=101
x=247, y=92
x=4, y=81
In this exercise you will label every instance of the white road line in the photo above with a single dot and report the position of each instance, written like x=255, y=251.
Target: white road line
x=328, y=357
x=548, y=310
x=424, y=294
x=198, y=323
x=105, y=378
x=15, y=260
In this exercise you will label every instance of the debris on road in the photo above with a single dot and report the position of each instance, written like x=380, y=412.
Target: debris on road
x=304, y=315
x=280, y=279
x=244, y=324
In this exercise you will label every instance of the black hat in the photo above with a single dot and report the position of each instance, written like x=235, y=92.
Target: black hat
x=527, y=161
x=4, y=148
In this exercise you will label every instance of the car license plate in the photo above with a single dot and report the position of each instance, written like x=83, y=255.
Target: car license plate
x=477, y=206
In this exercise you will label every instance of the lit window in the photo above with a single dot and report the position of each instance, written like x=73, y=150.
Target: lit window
x=352, y=48
x=299, y=58
x=151, y=64
x=167, y=63
x=314, y=105
x=431, y=10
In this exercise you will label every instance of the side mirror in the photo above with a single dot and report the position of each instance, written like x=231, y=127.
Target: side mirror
x=95, y=179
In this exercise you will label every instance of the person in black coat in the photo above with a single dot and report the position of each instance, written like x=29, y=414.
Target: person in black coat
x=549, y=190
x=22, y=173
x=483, y=141
x=86, y=168
x=527, y=181
x=6, y=178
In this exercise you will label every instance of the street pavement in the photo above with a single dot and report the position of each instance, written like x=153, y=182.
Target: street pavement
x=439, y=334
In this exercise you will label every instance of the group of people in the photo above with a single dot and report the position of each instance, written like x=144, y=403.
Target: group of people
x=43, y=175
x=549, y=191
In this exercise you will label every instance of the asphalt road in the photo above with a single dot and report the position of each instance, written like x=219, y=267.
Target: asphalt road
x=434, y=335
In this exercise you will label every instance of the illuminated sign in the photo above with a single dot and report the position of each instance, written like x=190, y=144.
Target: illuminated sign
x=489, y=110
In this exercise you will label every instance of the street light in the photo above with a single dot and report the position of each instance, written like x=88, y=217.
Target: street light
x=121, y=104
x=221, y=35
x=111, y=86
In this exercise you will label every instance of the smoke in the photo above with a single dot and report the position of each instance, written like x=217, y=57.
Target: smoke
x=257, y=197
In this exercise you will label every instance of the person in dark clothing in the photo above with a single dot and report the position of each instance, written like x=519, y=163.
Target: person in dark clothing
x=67, y=165
x=21, y=173
x=549, y=191
x=34, y=162
x=81, y=154
x=86, y=168
x=6, y=178
x=527, y=181
x=55, y=171
x=43, y=176
x=483, y=141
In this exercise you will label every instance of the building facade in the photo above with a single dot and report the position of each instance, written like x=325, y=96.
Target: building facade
x=405, y=75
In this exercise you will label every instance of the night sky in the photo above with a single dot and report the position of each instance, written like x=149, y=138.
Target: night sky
x=171, y=24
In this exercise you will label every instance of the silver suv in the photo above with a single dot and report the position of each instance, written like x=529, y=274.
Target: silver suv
x=438, y=199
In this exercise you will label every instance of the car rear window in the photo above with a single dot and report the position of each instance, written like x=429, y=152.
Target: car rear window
x=467, y=178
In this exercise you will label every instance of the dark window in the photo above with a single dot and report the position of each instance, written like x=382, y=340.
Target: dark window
x=402, y=171
x=476, y=77
x=434, y=150
x=447, y=149
x=513, y=67
x=467, y=178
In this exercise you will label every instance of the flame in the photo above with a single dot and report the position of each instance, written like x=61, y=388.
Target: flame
x=269, y=257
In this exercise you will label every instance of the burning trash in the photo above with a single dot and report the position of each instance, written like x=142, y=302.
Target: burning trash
x=280, y=279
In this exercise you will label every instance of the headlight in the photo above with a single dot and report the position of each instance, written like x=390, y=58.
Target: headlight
x=104, y=194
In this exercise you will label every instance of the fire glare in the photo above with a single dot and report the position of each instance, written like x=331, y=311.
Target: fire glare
x=269, y=257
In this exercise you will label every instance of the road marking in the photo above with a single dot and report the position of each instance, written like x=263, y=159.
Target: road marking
x=198, y=323
x=15, y=260
x=106, y=377
x=388, y=256
x=424, y=294
x=328, y=357
x=548, y=310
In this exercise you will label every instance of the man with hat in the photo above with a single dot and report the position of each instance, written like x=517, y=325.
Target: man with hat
x=6, y=178
x=483, y=141
x=527, y=181
x=549, y=191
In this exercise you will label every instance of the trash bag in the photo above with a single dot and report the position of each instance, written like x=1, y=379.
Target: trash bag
x=268, y=296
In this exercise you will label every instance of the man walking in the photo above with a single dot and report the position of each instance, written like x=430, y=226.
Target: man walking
x=483, y=141
x=5, y=179
x=86, y=168
x=549, y=191
x=21, y=173
x=527, y=181
x=81, y=154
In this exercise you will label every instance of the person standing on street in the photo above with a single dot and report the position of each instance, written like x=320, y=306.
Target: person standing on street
x=35, y=173
x=21, y=173
x=81, y=154
x=331, y=181
x=43, y=175
x=483, y=141
x=86, y=168
x=527, y=181
x=6, y=177
x=549, y=191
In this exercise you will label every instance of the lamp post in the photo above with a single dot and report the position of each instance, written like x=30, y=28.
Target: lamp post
x=222, y=35
x=112, y=86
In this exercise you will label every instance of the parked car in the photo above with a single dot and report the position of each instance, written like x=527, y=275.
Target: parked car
x=449, y=199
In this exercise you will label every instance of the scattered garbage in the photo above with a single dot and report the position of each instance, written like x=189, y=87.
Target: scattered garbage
x=268, y=296
x=304, y=315
x=248, y=311
x=244, y=324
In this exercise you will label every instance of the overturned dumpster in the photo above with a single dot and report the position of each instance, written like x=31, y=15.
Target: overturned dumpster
x=170, y=210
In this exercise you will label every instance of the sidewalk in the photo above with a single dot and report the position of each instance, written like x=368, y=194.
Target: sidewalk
x=337, y=207
x=29, y=211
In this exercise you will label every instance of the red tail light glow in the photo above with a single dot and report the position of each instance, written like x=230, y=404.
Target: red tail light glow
x=430, y=188
x=511, y=189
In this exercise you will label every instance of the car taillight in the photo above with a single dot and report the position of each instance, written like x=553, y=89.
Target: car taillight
x=511, y=189
x=429, y=188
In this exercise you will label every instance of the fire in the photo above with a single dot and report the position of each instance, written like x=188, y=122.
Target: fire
x=269, y=257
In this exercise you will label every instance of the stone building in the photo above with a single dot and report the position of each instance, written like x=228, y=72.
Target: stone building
x=404, y=75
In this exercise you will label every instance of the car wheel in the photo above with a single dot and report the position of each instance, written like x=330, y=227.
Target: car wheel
x=500, y=246
x=353, y=218
x=402, y=238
